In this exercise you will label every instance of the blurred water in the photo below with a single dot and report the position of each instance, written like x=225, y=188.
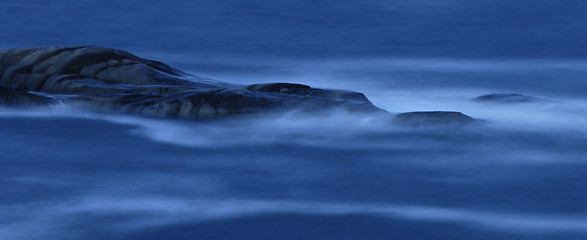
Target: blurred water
x=305, y=29
x=70, y=174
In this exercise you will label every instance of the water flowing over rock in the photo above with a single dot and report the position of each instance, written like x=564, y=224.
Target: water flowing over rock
x=113, y=80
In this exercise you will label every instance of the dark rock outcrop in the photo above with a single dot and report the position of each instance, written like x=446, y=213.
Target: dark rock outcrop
x=111, y=80
x=117, y=81
x=508, y=98
x=435, y=118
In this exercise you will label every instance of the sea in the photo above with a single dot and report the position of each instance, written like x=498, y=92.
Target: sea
x=73, y=174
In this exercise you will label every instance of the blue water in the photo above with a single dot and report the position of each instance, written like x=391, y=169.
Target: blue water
x=66, y=173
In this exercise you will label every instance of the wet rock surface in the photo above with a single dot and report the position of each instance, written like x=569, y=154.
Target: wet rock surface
x=113, y=80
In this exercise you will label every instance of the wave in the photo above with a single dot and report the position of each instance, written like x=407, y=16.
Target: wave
x=216, y=209
x=545, y=77
x=268, y=129
x=388, y=63
x=147, y=213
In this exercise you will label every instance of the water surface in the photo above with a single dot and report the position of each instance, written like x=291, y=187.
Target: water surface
x=71, y=174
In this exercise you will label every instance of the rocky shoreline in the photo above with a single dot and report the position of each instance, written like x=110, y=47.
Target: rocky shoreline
x=111, y=80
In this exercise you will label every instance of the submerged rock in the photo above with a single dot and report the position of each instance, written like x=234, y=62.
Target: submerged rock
x=508, y=98
x=117, y=81
x=434, y=118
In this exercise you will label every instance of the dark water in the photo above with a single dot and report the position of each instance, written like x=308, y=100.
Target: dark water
x=304, y=28
x=70, y=174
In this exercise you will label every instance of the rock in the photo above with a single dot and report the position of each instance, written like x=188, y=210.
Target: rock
x=111, y=80
x=117, y=81
x=24, y=98
x=436, y=118
x=507, y=98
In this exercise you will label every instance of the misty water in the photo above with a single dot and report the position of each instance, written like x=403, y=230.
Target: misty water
x=67, y=173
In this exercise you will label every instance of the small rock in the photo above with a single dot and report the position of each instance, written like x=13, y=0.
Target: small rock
x=434, y=118
x=507, y=98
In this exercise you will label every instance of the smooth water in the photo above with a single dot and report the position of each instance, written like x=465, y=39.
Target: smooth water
x=67, y=173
